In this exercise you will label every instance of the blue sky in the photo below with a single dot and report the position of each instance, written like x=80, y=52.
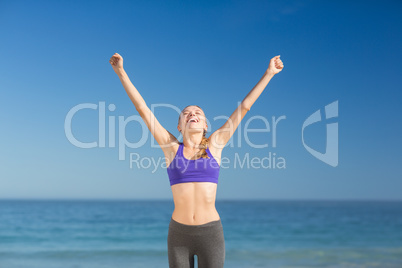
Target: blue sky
x=210, y=53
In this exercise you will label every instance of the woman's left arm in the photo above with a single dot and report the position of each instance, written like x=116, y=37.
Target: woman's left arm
x=220, y=137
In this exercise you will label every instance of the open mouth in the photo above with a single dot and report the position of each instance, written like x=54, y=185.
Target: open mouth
x=193, y=120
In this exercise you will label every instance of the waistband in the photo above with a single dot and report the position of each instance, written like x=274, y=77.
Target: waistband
x=202, y=229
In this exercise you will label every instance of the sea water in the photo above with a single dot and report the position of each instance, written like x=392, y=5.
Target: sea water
x=56, y=233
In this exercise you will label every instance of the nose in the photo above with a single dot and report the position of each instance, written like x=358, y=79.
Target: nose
x=192, y=113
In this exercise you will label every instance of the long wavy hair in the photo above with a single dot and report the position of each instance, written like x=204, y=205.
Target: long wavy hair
x=204, y=142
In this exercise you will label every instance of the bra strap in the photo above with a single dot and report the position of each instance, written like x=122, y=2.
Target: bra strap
x=180, y=150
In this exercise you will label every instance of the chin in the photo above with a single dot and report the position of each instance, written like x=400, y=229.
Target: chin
x=195, y=129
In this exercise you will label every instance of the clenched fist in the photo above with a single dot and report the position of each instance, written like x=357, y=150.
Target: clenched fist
x=117, y=62
x=275, y=65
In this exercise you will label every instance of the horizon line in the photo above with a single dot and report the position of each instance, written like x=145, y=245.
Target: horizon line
x=217, y=200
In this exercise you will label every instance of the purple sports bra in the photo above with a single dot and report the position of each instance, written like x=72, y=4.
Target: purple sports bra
x=182, y=170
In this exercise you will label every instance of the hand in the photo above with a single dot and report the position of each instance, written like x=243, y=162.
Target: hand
x=117, y=62
x=275, y=65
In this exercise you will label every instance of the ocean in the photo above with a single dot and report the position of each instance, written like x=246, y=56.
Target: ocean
x=73, y=233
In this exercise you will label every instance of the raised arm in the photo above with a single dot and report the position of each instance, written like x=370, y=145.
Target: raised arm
x=220, y=137
x=161, y=135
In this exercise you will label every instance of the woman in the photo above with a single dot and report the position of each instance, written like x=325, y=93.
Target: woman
x=193, y=167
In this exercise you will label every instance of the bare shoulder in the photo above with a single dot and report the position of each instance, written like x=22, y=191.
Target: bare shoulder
x=215, y=148
x=170, y=151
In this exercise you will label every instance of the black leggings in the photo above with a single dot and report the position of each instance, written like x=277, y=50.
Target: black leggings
x=205, y=240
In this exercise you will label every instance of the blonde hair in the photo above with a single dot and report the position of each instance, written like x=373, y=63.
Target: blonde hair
x=204, y=142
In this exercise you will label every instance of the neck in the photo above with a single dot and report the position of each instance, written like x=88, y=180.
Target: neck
x=192, y=140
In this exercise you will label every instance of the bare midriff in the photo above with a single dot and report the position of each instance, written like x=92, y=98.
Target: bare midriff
x=194, y=202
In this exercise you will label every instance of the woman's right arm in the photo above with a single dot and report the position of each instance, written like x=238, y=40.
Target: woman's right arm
x=164, y=138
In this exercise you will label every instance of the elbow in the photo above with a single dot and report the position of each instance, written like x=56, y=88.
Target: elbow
x=142, y=110
x=245, y=106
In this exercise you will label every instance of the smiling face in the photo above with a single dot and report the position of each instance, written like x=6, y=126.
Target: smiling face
x=192, y=118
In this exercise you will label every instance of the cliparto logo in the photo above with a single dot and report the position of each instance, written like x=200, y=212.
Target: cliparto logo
x=330, y=156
